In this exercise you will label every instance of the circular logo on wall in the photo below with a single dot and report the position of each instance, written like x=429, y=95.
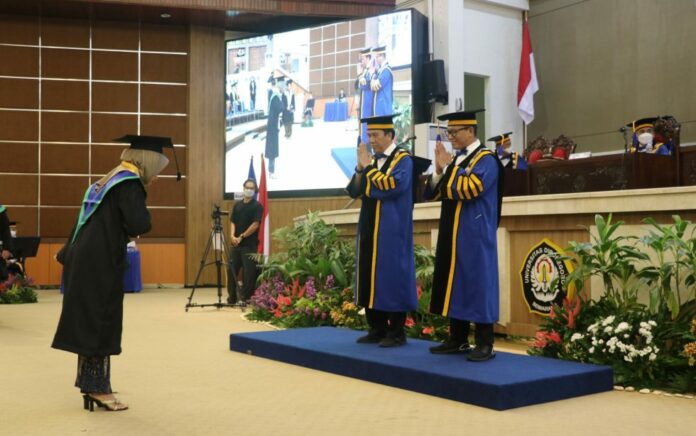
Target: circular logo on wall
x=543, y=274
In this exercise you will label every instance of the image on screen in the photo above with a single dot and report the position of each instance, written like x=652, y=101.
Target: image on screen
x=296, y=98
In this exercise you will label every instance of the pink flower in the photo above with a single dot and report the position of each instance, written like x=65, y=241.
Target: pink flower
x=541, y=340
x=554, y=336
x=428, y=331
x=409, y=322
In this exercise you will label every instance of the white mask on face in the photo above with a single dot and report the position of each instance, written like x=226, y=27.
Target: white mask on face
x=248, y=193
x=645, y=138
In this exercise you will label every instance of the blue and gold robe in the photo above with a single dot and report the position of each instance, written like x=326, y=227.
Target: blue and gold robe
x=384, y=97
x=366, y=102
x=385, y=277
x=465, y=280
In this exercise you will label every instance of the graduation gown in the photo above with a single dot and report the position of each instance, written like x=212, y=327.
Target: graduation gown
x=514, y=161
x=385, y=275
x=384, y=97
x=366, y=102
x=94, y=261
x=5, y=234
x=465, y=280
x=275, y=109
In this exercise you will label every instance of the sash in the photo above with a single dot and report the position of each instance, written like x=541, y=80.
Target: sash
x=96, y=193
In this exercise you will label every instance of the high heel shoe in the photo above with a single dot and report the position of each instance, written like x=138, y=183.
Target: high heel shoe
x=109, y=405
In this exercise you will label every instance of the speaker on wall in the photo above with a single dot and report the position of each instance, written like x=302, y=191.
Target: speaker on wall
x=435, y=82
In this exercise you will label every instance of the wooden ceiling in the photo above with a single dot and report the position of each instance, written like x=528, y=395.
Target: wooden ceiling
x=254, y=16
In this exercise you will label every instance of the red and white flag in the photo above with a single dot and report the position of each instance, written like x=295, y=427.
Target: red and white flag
x=264, y=234
x=528, y=84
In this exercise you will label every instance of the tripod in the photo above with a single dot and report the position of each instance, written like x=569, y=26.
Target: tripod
x=220, y=256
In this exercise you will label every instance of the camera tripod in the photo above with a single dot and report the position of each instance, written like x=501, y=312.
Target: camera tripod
x=220, y=255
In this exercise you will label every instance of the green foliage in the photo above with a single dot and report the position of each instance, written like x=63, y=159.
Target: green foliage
x=647, y=346
x=17, y=290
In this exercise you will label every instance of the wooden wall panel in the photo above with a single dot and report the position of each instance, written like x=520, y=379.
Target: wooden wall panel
x=115, y=35
x=115, y=97
x=167, y=223
x=19, y=30
x=167, y=192
x=19, y=189
x=64, y=159
x=58, y=222
x=206, y=139
x=65, y=95
x=19, y=93
x=64, y=126
x=25, y=158
x=108, y=65
x=163, y=98
x=64, y=33
x=25, y=61
x=107, y=127
x=63, y=190
x=164, y=38
x=27, y=219
x=181, y=156
x=105, y=158
x=165, y=67
x=64, y=64
x=19, y=126
x=165, y=125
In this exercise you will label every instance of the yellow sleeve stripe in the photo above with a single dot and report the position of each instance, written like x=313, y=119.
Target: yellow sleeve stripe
x=379, y=180
x=392, y=182
x=460, y=190
x=465, y=188
x=472, y=186
x=477, y=181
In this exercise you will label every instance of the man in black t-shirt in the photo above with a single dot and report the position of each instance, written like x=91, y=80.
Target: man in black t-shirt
x=244, y=235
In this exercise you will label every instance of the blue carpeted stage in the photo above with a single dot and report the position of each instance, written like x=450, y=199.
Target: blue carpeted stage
x=508, y=381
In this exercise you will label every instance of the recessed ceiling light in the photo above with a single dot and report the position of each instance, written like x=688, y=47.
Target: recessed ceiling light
x=165, y=15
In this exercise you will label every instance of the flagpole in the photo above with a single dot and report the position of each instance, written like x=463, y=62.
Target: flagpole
x=524, y=124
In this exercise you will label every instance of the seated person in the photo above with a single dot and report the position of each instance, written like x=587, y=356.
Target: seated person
x=508, y=157
x=341, y=95
x=643, y=140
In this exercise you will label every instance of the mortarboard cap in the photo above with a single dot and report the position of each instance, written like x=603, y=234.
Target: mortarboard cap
x=464, y=118
x=151, y=143
x=500, y=138
x=366, y=51
x=641, y=123
x=380, y=122
x=380, y=49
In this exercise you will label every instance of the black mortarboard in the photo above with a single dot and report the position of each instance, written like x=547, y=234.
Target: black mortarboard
x=500, y=138
x=289, y=81
x=464, y=118
x=13, y=223
x=380, y=122
x=380, y=49
x=642, y=123
x=152, y=143
x=271, y=80
x=420, y=164
x=366, y=51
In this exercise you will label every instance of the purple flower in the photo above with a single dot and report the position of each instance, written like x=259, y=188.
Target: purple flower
x=323, y=315
x=329, y=282
x=263, y=298
x=310, y=289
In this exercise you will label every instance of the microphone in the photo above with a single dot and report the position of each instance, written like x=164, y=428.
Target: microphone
x=622, y=129
x=410, y=138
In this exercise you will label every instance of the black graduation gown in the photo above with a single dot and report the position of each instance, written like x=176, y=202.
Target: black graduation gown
x=93, y=266
x=5, y=234
x=275, y=109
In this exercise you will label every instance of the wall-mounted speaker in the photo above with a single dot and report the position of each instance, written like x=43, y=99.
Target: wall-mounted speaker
x=435, y=82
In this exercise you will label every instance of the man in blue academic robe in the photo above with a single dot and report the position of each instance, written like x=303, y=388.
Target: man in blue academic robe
x=382, y=83
x=465, y=280
x=385, y=279
x=508, y=157
x=366, y=94
x=643, y=140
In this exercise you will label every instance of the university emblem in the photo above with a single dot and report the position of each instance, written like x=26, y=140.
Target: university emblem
x=543, y=274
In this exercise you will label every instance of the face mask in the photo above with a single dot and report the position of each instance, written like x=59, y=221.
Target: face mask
x=248, y=193
x=645, y=138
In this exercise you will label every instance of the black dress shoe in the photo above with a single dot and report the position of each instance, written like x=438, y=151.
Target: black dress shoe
x=481, y=354
x=390, y=341
x=373, y=337
x=451, y=347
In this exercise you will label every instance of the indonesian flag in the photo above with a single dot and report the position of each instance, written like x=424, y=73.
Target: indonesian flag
x=264, y=237
x=528, y=84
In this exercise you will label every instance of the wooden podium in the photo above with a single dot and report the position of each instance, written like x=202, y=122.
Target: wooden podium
x=603, y=173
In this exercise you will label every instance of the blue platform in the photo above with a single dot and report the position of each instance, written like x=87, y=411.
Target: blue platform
x=508, y=381
x=346, y=158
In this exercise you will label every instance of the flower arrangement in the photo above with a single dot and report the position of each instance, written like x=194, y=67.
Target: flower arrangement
x=648, y=345
x=17, y=289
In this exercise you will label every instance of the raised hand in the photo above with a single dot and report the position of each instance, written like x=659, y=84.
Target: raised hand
x=442, y=157
x=364, y=157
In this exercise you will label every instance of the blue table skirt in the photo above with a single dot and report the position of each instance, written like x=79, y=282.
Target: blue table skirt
x=336, y=111
x=132, y=279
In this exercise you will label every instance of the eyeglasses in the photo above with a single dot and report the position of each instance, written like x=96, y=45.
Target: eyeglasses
x=454, y=132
